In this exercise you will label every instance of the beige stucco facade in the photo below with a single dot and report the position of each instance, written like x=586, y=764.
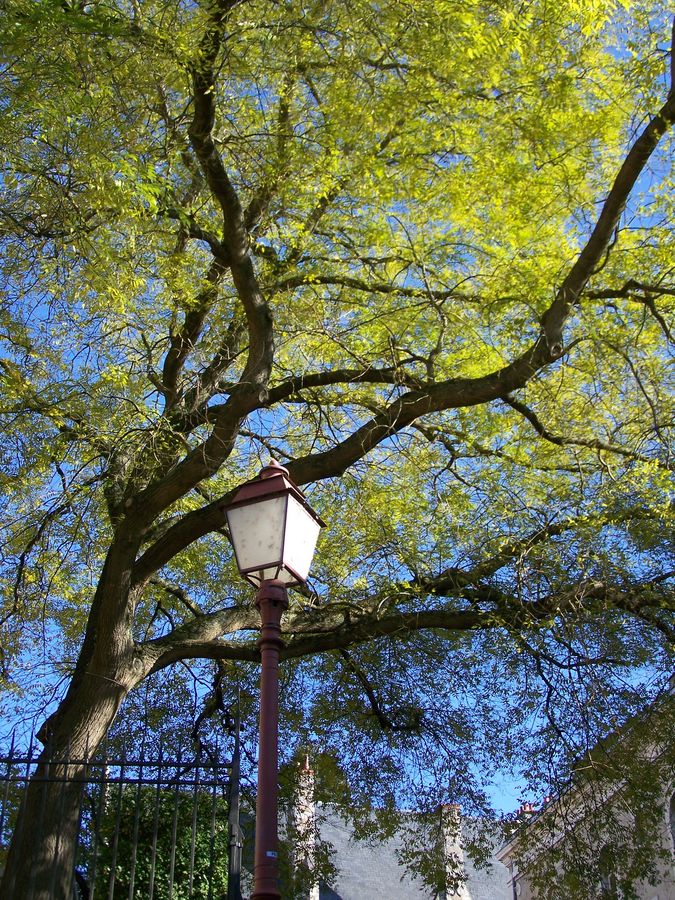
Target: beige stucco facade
x=578, y=833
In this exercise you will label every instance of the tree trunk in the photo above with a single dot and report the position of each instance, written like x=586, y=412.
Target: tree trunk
x=41, y=860
x=41, y=857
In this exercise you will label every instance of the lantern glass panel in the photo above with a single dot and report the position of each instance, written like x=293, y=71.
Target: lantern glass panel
x=302, y=532
x=257, y=532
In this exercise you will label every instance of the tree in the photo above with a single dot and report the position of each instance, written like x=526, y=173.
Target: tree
x=419, y=253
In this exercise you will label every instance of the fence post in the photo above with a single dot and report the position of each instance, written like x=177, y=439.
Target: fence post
x=234, y=828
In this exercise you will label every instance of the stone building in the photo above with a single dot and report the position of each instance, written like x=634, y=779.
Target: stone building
x=372, y=872
x=613, y=826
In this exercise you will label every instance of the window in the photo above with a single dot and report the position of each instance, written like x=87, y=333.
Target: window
x=607, y=868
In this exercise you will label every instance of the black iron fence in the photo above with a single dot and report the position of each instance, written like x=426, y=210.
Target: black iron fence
x=161, y=828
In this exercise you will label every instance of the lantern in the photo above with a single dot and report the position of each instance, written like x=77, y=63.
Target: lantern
x=273, y=528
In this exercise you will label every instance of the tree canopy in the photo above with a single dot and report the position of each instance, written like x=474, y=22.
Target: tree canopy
x=422, y=254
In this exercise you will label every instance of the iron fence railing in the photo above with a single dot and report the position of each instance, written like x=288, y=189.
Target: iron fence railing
x=149, y=828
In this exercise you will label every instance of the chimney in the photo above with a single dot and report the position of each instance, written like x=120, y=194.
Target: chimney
x=526, y=812
x=455, y=869
x=302, y=823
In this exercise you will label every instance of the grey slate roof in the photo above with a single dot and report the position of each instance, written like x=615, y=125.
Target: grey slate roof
x=366, y=872
x=371, y=871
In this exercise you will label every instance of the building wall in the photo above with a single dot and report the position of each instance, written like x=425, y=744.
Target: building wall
x=645, y=745
x=662, y=889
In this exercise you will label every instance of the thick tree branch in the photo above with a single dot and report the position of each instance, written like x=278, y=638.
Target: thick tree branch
x=554, y=318
x=292, y=386
x=251, y=389
x=235, y=233
x=184, y=532
x=469, y=392
x=576, y=603
x=453, y=393
x=212, y=649
x=338, y=627
x=200, y=635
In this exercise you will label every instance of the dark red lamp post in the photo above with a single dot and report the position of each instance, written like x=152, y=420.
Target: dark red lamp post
x=274, y=532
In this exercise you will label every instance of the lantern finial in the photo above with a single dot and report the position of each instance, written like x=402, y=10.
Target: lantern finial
x=273, y=468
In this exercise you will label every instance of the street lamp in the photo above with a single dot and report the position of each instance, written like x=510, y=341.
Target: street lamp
x=274, y=532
